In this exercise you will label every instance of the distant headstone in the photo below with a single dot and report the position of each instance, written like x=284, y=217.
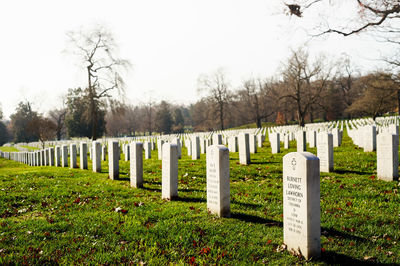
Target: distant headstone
x=127, y=152
x=159, y=148
x=218, y=187
x=147, y=150
x=369, y=138
x=286, y=141
x=136, y=164
x=72, y=156
x=176, y=141
x=42, y=158
x=260, y=139
x=195, y=148
x=217, y=139
x=301, y=141
x=51, y=156
x=233, y=144
x=96, y=159
x=113, y=160
x=58, y=156
x=169, y=171
x=275, y=141
x=336, y=137
x=301, y=204
x=394, y=129
x=313, y=139
x=244, y=148
x=387, y=157
x=189, y=147
x=46, y=157
x=252, y=143
x=64, y=155
x=83, y=155
x=104, y=152
x=325, y=151
x=203, y=145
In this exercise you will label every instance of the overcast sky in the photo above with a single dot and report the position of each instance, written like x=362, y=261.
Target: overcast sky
x=169, y=43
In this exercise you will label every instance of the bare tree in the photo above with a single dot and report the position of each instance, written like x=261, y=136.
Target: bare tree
x=368, y=14
x=58, y=117
x=304, y=82
x=97, y=49
x=256, y=100
x=44, y=128
x=216, y=86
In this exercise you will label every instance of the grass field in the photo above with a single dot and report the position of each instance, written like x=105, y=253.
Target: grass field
x=8, y=149
x=71, y=216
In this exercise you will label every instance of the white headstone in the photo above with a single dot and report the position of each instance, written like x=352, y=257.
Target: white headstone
x=57, y=154
x=325, y=151
x=83, y=155
x=244, y=148
x=64, y=155
x=286, y=143
x=72, y=156
x=301, y=141
x=169, y=171
x=387, y=157
x=51, y=156
x=275, y=141
x=218, y=187
x=147, y=150
x=113, y=160
x=195, y=148
x=96, y=160
x=252, y=143
x=136, y=164
x=301, y=204
x=369, y=138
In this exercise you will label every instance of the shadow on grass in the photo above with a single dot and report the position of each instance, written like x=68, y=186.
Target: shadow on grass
x=255, y=219
x=188, y=199
x=151, y=189
x=335, y=233
x=248, y=205
x=341, y=171
x=263, y=162
x=341, y=259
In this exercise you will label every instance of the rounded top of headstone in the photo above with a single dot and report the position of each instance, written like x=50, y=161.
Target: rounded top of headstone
x=306, y=155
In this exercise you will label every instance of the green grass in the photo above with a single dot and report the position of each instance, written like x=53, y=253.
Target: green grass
x=30, y=148
x=8, y=149
x=59, y=215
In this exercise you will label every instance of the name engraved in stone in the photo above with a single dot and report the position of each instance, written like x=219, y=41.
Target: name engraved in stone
x=294, y=197
x=212, y=185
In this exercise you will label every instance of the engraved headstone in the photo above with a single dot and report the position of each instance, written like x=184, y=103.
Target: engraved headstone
x=301, y=204
x=218, y=187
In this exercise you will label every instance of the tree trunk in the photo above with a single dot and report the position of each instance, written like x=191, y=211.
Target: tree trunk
x=221, y=115
x=398, y=101
x=258, y=122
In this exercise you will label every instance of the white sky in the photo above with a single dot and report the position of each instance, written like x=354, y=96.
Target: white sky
x=170, y=43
